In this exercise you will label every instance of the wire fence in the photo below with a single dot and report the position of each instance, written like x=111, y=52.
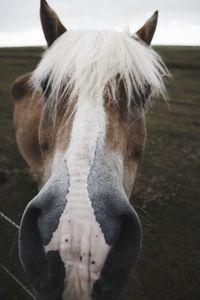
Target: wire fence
x=5, y=269
x=9, y=220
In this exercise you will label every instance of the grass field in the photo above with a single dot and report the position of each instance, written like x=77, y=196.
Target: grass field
x=168, y=193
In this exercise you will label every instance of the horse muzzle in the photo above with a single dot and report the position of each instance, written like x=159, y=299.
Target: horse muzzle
x=47, y=268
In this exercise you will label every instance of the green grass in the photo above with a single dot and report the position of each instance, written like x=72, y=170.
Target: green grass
x=167, y=197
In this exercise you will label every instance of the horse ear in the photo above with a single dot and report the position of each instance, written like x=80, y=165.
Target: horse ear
x=52, y=26
x=146, y=32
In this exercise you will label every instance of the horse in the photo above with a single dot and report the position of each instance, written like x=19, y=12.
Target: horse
x=79, y=119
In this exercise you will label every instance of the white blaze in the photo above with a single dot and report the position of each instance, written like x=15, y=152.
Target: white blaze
x=79, y=238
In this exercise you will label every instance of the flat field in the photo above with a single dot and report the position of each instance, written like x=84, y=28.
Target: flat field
x=168, y=192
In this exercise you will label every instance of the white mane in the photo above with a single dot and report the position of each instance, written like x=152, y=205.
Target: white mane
x=87, y=62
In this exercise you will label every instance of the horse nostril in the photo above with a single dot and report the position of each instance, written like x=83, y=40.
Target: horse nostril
x=45, y=271
x=31, y=250
x=121, y=258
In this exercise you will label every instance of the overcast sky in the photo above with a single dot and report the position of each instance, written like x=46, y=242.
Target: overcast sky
x=179, y=20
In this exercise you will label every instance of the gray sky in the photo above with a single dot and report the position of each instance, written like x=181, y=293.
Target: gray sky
x=179, y=20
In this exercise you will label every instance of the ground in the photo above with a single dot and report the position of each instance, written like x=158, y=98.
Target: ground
x=167, y=198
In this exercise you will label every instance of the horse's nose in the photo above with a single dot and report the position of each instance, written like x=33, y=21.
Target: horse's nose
x=45, y=271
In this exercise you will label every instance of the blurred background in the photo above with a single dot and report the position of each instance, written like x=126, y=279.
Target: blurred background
x=179, y=20
x=168, y=192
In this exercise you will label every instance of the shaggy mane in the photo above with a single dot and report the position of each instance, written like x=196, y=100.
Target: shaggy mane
x=88, y=63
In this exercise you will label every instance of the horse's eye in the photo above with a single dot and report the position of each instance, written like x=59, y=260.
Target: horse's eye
x=46, y=88
x=147, y=91
x=142, y=97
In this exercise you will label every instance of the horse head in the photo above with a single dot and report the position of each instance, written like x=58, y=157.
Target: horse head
x=84, y=135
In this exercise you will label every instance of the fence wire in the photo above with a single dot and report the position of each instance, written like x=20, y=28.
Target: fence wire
x=17, y=281
x=5, y=269
x=9, y=220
